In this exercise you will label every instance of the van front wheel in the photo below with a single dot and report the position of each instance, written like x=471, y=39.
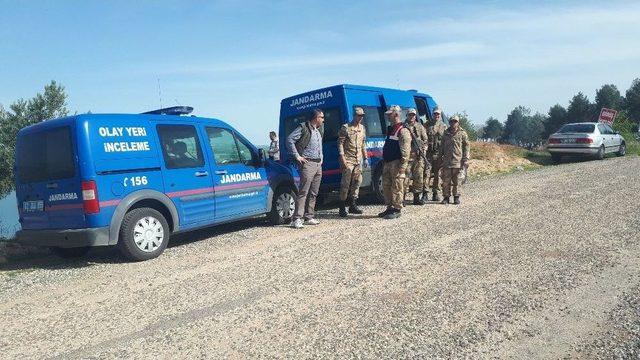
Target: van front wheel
x=283, y=206
x=144, y=234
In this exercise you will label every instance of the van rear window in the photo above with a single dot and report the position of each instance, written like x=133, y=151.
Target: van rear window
x=46, y=156
x=332, y=123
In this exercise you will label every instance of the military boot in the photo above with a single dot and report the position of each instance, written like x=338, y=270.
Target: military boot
x=435, y=196
x=417, y=199
x=445, y=200
x=343, y=210
x=353, y=207
x=456, y=200
x=387, y=211
x=393, y=214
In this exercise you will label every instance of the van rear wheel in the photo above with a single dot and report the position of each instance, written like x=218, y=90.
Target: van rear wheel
x=144, y=234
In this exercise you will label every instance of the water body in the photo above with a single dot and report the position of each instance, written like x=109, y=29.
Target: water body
x=9, y=216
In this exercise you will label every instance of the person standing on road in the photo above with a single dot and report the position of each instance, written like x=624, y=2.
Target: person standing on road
x=418, y=153
x=274, y=147
x=353, y=155
x=453, y=156
x=305, y=146
x=435, y=131
x=395, y=154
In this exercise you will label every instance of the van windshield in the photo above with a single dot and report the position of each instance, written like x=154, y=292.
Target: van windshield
x=45, y=156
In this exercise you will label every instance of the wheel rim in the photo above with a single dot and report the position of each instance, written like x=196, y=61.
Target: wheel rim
x=148, y=234
x=623, y=149
x=285, y=205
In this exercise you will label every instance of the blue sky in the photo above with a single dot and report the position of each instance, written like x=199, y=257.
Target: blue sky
x=236, y=60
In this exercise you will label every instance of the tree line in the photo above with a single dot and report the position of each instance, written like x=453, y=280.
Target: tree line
x=52, y=103
x=524, y=127
x=520, y=127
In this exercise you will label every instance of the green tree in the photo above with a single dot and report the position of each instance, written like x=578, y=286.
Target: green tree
x=493, y=129
x=580, y=109
x=535, y=128
x=632, y=101
x=48, y=105
x=468, y=126
x=557, y=117
x=608, y=96
x=513, y=127
x=522, y=127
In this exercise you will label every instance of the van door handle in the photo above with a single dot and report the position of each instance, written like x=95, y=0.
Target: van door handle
x=52, y=185
x=201, y=173
x=221, y=172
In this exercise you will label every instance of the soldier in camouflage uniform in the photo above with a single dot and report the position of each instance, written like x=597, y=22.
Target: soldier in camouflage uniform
x=395, y=154
x=353, y=155
x=453, y=155
x=435, y=131
x=418, y=150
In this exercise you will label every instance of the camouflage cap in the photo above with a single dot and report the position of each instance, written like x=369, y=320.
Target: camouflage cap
x=359, y=111
x=454, y=118
x=412, y=111
x=393, y=109
x=437, y=110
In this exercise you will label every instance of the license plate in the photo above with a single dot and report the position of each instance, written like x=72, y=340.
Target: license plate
x=567, y=141
x=33, y=206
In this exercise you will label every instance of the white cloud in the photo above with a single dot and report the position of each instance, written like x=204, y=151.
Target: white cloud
x=436, y=51
x=558, y=20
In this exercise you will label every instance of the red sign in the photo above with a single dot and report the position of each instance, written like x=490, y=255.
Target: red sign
x=607, y=116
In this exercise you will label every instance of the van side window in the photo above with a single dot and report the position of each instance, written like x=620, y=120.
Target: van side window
x=246, y=156
x=227, y=149
x=180, y=146
x=374, y=121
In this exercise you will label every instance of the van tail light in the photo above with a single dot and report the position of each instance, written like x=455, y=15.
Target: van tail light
x=584, y=141
x=554, y=141
x=90, y=197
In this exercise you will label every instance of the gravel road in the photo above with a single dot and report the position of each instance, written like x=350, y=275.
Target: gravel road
x=540, y=264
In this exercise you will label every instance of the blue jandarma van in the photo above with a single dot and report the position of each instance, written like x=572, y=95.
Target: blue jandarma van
x=338, y=103
x=132, y=180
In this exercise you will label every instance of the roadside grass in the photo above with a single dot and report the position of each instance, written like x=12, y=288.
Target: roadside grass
x=633, y=145
x=539, y=157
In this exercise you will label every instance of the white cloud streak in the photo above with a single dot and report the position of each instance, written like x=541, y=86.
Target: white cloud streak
x=428, y=52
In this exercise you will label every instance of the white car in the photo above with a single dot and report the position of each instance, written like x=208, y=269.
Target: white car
x=588, y=139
